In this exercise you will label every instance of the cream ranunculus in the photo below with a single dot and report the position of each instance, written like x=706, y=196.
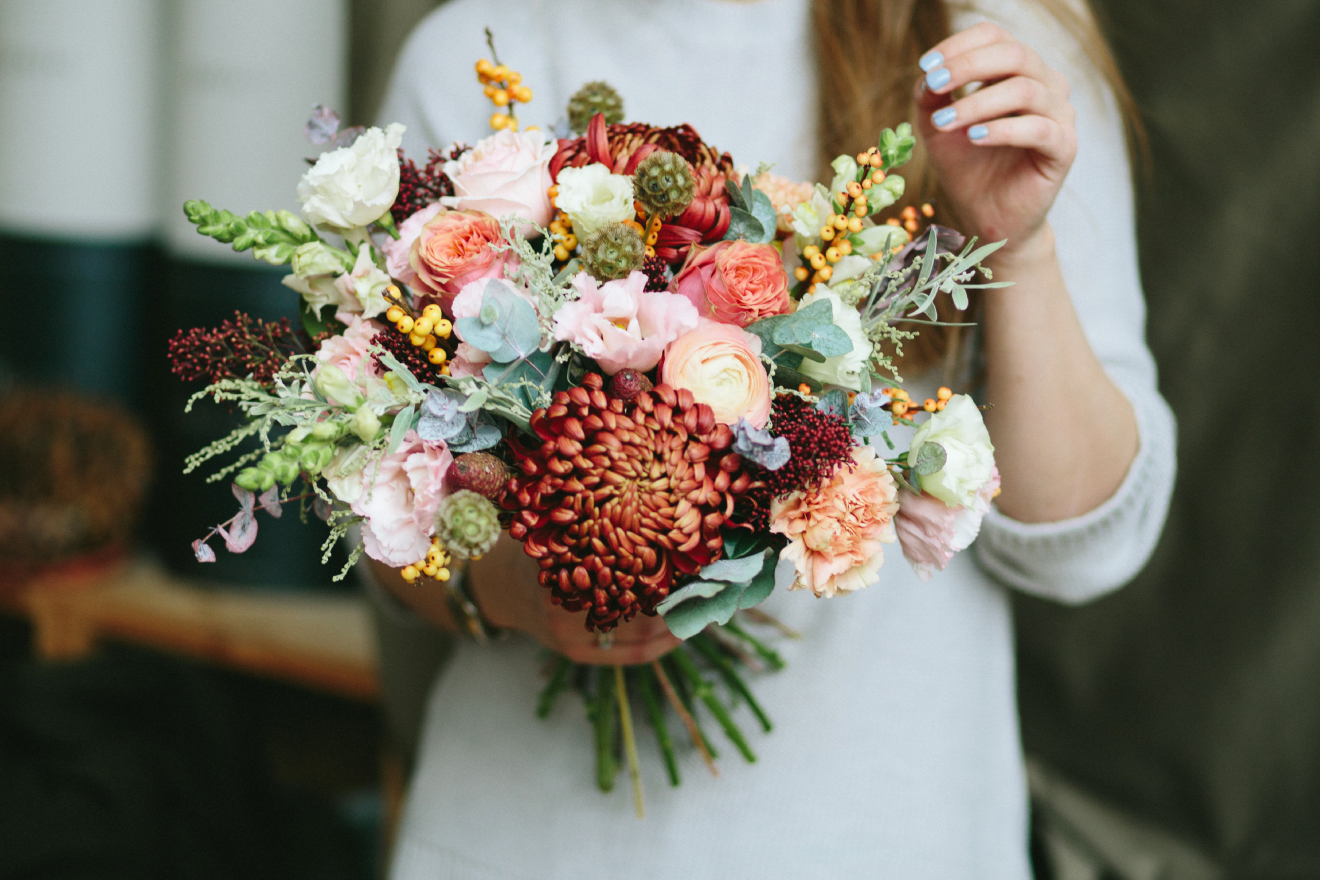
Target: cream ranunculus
x=352, y=186
x=593, y=197
x=845, y=370
x=969, y=462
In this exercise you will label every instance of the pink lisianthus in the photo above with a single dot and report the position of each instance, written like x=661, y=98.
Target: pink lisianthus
x=399, y=499
x=734, y=282
x=398, y=251
x=349, y=351
x=930, y=531
x=721, y=365
x=454, y=249
x=506, y=173
x=621, y=325
x=468, y=359
x=836, y=533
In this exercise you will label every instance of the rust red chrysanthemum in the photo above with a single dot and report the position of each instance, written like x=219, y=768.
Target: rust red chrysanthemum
x=620, y=498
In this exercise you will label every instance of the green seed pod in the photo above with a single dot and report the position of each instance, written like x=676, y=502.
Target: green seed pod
x=249, y=478
x=664, y=184
x=316, y=456
x=612, y=251
x=592, y=98
x=286, y=472
x=467, y=524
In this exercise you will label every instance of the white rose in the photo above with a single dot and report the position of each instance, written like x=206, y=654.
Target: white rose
x=969, y=463
x=846, y=369
x=354, y=185
x=593, y=197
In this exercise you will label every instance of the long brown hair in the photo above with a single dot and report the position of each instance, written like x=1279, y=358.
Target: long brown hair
x=866, y=55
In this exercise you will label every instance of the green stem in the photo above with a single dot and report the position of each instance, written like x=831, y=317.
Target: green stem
x=764, y=651
x=647, y=684
x=545, y=704
x=629, y=741
x=680, y=683
x=706, y=694
x=711, y=651
x=602, y=717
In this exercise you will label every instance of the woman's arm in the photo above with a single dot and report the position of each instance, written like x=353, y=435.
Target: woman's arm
x=1064, y=434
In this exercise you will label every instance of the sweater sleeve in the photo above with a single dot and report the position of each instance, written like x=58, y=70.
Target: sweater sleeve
x=1078, y=559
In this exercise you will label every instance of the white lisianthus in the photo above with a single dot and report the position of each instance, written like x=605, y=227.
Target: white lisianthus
x=875, y=239
x=810, y=216
x=363, y=288
x=969, y=463
x=352, y=186
x=845, y=170
x=845, y=370
x=846, y=272
x=593, y=197
x=318, y=291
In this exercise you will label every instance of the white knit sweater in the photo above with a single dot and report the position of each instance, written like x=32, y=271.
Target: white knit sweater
x=896, y=749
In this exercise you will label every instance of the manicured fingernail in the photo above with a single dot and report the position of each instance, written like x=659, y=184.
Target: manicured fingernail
x=943, y=116
x=930, y=61
x=938, y=78
x=977, y=132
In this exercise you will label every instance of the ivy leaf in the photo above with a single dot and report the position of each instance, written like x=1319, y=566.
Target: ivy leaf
x=930, y=459
x=506, y=328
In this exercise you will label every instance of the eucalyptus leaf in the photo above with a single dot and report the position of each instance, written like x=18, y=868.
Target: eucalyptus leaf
x=507, y=327
x=743, y=542
x=834, y=403
x=807, y=353
x=484, y=436
x=694, y=590
x=764, y=211
x=761, y=586
x=733, y=570
x=930, y=459
x=694, y=613
x=828, y=339
x=744, y=225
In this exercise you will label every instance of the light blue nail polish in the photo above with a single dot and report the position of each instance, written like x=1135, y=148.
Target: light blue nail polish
x=943, y=116
x=978, y=132
x=930, y=61
x=938, y=78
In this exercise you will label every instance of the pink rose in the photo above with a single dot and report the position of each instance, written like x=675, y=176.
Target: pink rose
x=349, y=350
x=397, y=251
x=930, y=531
x=721, y=365
x=454, y=249
x=620, y=325
x=507, y=173
x=735, y=282
x=399, y=499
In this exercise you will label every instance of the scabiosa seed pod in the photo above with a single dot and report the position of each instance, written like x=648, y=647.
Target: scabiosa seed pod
x=467, y=524
x=612, y=251
x=594, y=97
x=664, y=184
x=628, y=383
x=479, y=472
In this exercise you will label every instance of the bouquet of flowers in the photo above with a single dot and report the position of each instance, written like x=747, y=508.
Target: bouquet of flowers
x=661, y=376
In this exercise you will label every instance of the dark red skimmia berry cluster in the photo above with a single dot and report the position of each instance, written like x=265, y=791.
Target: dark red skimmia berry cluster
x=419, y=187
x=244, y=346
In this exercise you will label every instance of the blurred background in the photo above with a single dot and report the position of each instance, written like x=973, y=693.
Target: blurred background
x=164, y=719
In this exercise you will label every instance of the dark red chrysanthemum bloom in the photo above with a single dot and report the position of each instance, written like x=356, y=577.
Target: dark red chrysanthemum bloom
x=620, y=498
x=622, y=147
x=819, y=443
x=245, y=346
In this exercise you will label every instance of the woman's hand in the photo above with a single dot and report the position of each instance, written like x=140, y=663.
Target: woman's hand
x=1003, y=151
x=504, y=587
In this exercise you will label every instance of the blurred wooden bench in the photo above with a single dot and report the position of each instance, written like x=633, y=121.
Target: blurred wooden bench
x=323, y=642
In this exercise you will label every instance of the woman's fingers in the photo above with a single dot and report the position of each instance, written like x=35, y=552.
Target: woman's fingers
x=992, y=63
x=1016, y=96
x=1055, y=142
x=640, y=641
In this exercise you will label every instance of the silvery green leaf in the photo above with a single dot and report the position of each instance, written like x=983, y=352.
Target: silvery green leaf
x=930, y=459
x=733, y=570
x=959, y=297
x=402, y=422
x=809, y=353
x=402, y=372
x=571, y=268
x=744, y=225
x=507, y=327
x=764, y=211
x=484, y=436
x=475, y=401
x=693, y=613
x=756, y=444
x=762, y=585
x=694, y=590
x=834, y=403
x=826, y=338
x=868, y=417
x=443, y=419
x=736, y=198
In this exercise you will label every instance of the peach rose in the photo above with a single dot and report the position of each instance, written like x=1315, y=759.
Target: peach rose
x=454, y=249
x=721, y=365
x=505, y=174
x=836, y=533
x=734, y=282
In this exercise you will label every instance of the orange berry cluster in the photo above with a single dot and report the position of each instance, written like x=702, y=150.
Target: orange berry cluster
x=434, y=565
x=425, y=331
x=902, y=403
x=909, y=219
x=505, y=89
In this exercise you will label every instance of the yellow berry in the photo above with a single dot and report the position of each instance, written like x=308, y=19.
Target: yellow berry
x=818, y=261
x=833, y=254
x=855, y=224
x=928, y=209
x=844, y=246
x=877, y=176
x=939, y=407
x=854, y=188
x=444, y=370
x=839, y=221
x=442, y=574
x=437, y=356
x=500, y=97
x=513, y=123
x=431, y=569
x=876, y=161
x=930, y=404
x=899, y=408
x=422, y=326
x=893, y=221
x=514, y=78
x=499, y=121
x=500, y=73
x=521, y=93
x=409, y=573
x=443, y=327
x=860, y=210
x=911, y=226
x=827, y=233
x=867, y=184
x=653, y=237
x=433, y=555
x=556, y=228
x=404, y=324
x=826, y=273
x=811, y=289
x=561, y=253
x=484, y=66
x=428, y=343
x=570, y=241
x=944, y=393
x=417, y=339
x=804, y=388
x=489, y=91
x=801, y=273
x=810, y=251
x=432, y=311
x=862, y=158
x=393, y=313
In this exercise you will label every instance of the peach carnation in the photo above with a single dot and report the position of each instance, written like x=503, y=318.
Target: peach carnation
x=785, y=195
x=836, y=533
